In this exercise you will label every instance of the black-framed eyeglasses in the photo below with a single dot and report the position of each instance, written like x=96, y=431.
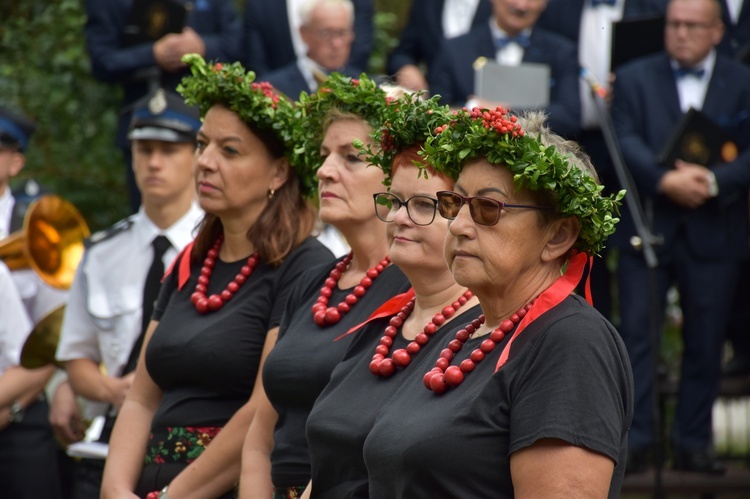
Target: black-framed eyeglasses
x=483, y=210
x=420, y=209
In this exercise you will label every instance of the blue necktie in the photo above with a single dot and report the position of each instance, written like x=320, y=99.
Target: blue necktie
x=683, y=72
x=596, y=3
x=521, y=39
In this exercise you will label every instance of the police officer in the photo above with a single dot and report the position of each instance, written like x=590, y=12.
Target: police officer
x=103, y=323
x=28, y=453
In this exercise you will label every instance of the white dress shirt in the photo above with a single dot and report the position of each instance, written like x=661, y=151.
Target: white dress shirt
x=692, y=90
x=734, y=7
x=39, y=298
x=15, y=325
x=595, y=52
x=511, y=54
x=458, y=16
x=6, y=211
x=292, y=9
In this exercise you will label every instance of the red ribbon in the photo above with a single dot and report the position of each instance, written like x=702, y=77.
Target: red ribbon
x=183, y=272
x=387, y=309
x=550, y=298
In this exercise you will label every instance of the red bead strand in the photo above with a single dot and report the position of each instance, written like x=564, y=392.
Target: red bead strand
x=323, y=315
x=204, y=304
x=444, y=375
x=381, y=365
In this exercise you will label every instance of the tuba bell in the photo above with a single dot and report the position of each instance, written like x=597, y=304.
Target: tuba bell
x=50, y=242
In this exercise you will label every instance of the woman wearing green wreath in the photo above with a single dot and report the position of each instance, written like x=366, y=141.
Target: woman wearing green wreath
x=533, y=398
x=180, y=430
x=329, y=299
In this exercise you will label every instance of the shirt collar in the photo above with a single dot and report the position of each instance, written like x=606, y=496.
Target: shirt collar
x=179, y=233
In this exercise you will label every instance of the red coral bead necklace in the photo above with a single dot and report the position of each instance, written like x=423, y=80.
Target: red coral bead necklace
x=444, y=375
x=323, y=315
x=381, y=365
x=204, y=304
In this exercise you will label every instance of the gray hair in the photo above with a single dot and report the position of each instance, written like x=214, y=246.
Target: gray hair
x=307, y=7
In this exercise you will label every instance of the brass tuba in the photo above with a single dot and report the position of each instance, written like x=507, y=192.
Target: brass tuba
x=50, y=242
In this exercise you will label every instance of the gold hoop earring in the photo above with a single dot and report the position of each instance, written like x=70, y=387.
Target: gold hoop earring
x=271, y=192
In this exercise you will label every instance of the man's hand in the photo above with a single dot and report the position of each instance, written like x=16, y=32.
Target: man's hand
x=65, y=415
x=119, y=388
x=169, y=49
x=687, y=184
x=410, y=76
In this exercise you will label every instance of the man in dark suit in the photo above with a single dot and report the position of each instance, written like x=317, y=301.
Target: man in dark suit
x=736, y=17
x=270, y=41
x=589, y=25
x=736, y=43
x=510, y=36
x=212, y=29
x=431, y=22
x=701, y=212
x=327, y=31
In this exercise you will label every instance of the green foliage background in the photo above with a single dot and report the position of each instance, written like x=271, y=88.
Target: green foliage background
x=45, y=71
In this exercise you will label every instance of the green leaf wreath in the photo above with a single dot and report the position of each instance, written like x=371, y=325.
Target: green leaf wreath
x=254, y=102
x=406, y=121
x=359, y=97
x=499, y=137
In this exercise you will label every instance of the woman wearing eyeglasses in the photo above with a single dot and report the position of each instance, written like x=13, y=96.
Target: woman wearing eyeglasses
x=329, y=299
x=533, y=398
x=407, y=328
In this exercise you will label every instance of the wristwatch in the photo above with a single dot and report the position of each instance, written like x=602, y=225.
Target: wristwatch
x=16, y=412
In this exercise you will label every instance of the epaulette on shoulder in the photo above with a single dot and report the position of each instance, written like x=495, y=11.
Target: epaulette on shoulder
x=109, y=233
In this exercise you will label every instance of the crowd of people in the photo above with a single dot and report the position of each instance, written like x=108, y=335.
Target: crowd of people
x=311, y=248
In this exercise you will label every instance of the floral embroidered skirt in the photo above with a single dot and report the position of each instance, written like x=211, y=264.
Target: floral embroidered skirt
x=171, y=450
x=178, y=444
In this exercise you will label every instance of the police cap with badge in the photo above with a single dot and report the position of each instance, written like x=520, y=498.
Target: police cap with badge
x=15, y=130
x=164, y=116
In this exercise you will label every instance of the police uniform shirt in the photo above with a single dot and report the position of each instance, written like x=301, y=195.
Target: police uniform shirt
x=103, y=316
x=15, y=325
x=6, y=211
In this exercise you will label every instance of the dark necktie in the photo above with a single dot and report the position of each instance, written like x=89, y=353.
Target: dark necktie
x=683, y=72
x=150, y=293
x=521, y=39
x=596, y=3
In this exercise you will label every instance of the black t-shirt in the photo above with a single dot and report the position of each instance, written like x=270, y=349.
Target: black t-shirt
x=300, y=365
x=568, y=377
x=206, y=364
x=344, y=413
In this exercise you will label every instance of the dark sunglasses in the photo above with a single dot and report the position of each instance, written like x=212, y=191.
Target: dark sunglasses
x=483, y=210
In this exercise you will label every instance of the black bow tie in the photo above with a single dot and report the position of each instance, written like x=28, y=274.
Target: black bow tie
x=683, y=72
x=596, y=3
